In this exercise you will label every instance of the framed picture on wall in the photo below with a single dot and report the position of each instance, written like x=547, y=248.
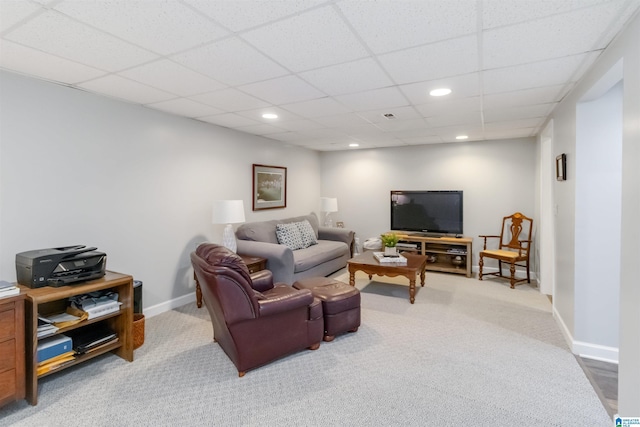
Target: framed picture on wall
x=561, y=167
x=269, y=187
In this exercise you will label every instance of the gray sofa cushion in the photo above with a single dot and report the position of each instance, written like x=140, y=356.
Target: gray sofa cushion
x=325, y=250
x=265, y=231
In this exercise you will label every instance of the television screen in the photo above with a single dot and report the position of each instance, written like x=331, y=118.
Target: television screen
x=437, y=212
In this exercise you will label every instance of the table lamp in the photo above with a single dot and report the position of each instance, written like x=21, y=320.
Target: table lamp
x=328, y=205
x=228, y=212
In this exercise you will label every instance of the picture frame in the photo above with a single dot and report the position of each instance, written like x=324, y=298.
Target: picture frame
x=561, y=167
x=269, y=187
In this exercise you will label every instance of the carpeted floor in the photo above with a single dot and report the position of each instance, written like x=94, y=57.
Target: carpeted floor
x=466, y=353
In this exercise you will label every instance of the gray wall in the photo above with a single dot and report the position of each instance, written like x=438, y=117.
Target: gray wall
x=497, y=177
x=627, y=49
x=77, y=168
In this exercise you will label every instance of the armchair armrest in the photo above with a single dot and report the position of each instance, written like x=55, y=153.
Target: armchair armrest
x=338, y=235
x=279, y=258
x=277, y=302
x=485, y=237
x=262, y=280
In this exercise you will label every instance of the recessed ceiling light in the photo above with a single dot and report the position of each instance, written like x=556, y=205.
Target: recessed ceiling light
x=440, y=91
x=353, y=144
x=269, y=116
x=462, y=137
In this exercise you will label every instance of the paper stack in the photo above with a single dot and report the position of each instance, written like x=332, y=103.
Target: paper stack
x=8, y=289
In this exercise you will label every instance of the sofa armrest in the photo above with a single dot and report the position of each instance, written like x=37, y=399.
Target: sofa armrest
x=283, y=302
x=279, y=258
x=338, y=235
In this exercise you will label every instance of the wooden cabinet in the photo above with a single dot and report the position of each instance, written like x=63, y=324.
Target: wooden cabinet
x=50, y=300
x=12, y=356
x=444, y=254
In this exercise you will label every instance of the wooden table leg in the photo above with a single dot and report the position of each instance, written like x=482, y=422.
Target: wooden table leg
x=422, y=277
x=352, y=277
x=412, y=289
x=198, y=292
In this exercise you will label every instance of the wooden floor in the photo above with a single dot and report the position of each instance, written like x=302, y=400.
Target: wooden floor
x=604, y=379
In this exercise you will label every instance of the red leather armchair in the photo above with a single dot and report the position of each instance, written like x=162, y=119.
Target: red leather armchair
x=254, y=321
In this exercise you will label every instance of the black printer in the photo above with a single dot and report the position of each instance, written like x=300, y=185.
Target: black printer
x=59, y=266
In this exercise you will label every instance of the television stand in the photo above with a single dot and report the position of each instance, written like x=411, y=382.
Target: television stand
x=444, y=253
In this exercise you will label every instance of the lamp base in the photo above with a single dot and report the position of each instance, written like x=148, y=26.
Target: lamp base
x=229, y=239
x=328, y=222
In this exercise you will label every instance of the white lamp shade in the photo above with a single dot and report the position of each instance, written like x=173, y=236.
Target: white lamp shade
x=329, y=204
x=227, y=211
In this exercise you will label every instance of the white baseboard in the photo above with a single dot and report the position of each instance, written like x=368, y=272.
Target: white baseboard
x=169, y=305
x=585, y=349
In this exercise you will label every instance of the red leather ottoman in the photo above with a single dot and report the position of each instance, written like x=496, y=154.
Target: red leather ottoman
x=340, y=304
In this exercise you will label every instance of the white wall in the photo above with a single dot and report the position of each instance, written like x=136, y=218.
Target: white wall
x=598, y=212
x=77, y=168
x=497, y=177
x=627, y=49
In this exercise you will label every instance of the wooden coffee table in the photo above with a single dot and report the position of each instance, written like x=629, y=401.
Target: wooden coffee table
x=370, y=265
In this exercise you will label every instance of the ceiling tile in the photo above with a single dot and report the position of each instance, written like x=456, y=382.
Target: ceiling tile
x=540, y=95
x=356, y=76
x=467, y=118
x=282, y=90
x=419, y=140
x=285, y=136
x=342, y=121
x=283, y=115
x=374, y=99
x=230, y=61
x=13, y=12
x=119, y=87
x=510, y=133
x=433, y=61
x=516, y=113
x=33, y=62
x=56, y=34
x=171, y=77
x=419, y=21
x=463, y=86
x=229, y=120
x=514, y=124
x=230, y=100
x=261, y=129
x=164, y=27
x=299, y=125
x=299, y=43
x=317, y=108
x=245, y=14
x=449, y=106
x=552, y=37
x=537, y=74
x=185, y=107
x=403, y=125
x=399, y=113
x=498, y=13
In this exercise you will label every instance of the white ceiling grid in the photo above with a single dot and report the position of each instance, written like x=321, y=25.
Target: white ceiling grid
x=330, y=69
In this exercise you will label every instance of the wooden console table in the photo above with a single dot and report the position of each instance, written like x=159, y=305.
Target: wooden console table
x=442, y=252
x=12, y=373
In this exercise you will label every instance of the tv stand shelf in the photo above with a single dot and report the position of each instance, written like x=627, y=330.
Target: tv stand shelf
x=445, y=254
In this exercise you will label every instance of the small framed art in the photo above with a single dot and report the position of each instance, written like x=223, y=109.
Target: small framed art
x=561, y=167
x=269, y=187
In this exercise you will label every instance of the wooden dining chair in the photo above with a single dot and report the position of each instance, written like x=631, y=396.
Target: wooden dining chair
x=513, y=247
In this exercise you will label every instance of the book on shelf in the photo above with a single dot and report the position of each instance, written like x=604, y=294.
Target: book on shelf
x=386, y=259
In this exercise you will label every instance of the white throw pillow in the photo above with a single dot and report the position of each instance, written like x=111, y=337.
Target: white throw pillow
x=289, y=235
x=308, y=235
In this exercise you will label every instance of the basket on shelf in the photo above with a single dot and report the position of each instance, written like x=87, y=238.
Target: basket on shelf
x=138, y=330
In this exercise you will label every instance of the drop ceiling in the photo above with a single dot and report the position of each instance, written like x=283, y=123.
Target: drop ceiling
x=333, y=71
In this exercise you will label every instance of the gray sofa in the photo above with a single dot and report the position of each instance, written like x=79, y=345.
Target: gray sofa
x=334, y=248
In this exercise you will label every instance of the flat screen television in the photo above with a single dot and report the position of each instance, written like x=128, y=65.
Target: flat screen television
x=428, y=212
